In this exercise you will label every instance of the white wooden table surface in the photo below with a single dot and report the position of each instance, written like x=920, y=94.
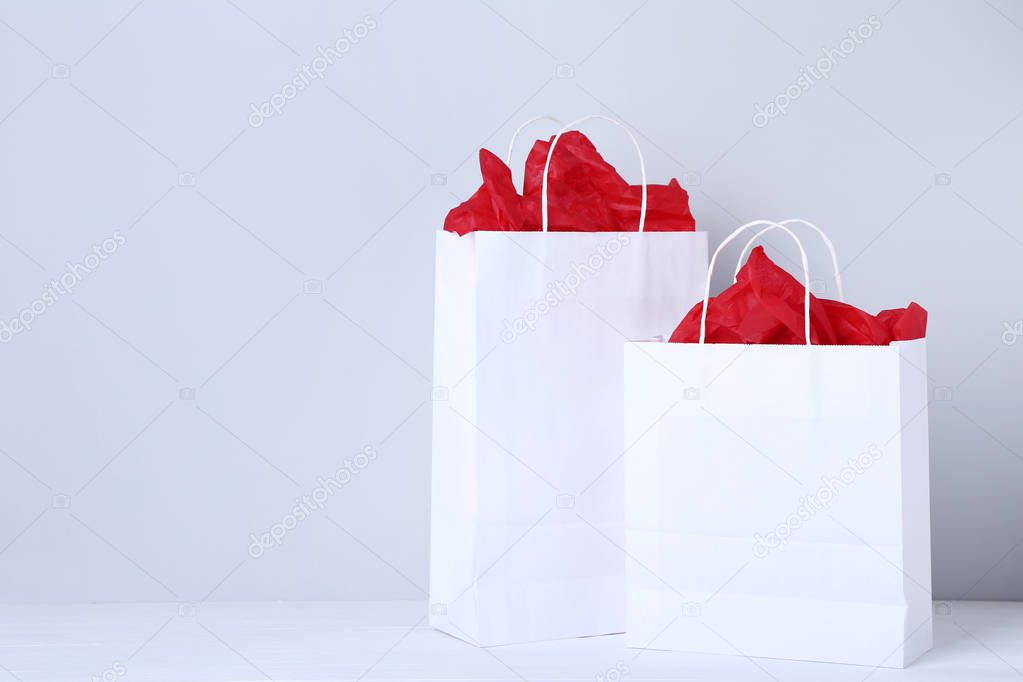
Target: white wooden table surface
x=391, y=641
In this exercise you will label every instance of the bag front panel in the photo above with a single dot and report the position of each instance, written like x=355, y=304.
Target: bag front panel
x=550, y=313
x=780, y=469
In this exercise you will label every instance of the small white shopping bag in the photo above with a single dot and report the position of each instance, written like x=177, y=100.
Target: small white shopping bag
x=777, y=498
x=527, y=515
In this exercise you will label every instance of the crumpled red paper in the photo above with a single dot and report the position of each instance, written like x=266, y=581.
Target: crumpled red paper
x=765, y=305
x=496, y=205
x=585, y=194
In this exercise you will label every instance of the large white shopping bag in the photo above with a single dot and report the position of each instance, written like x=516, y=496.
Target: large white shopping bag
x=527, y=512
x=777, y=498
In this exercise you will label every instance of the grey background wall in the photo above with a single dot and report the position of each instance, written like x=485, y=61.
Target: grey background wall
x=250, y=296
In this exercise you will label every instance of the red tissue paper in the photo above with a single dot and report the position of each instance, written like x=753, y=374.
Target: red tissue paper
x=765, y=305
x=585, y=194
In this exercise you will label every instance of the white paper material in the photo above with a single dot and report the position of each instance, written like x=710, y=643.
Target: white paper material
x=778, y=501
x=527, y=497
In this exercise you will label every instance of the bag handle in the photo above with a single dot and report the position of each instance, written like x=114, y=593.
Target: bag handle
x=526, y=124
x=827, y=242
x=806, y=276
x=550, y=152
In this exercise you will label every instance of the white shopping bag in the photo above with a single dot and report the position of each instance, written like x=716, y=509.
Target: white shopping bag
x=777, y=498
x=526, y=511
